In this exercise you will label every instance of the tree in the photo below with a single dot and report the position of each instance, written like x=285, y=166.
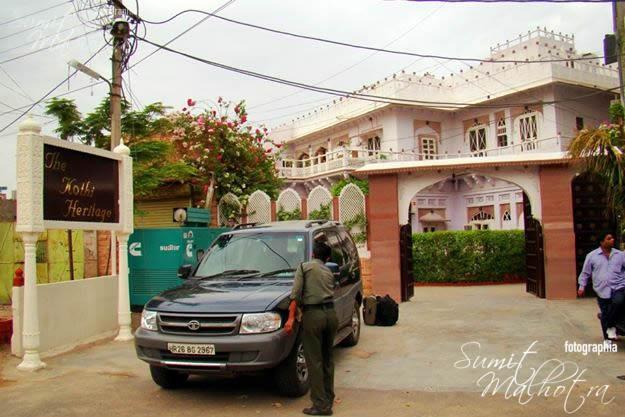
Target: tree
x=229, y=154
x=154, y=160
x=601, y=150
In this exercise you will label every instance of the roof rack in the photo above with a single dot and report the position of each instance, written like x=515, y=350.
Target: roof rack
x=244, y=226
x=313, y=222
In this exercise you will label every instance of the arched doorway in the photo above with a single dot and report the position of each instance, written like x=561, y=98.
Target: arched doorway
x=478, y=200
x=591, y=217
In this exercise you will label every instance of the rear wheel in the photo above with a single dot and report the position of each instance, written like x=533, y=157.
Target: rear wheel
x=291, y=375
x=167, y=378
x=354, y=336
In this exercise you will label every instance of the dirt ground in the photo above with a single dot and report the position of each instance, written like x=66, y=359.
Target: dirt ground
x=429, y=364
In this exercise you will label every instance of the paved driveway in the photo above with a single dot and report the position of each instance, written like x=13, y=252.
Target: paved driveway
x=416, y=368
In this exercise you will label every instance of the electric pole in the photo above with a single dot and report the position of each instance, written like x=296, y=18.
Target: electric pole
x=120, y=32
x=618, y=13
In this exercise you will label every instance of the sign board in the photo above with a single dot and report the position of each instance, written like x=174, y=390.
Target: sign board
x=79, y=187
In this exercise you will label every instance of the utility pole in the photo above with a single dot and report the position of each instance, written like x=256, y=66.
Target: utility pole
x=618, y=14
x=120, y=31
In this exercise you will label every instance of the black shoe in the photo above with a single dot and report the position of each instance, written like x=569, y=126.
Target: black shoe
x=314, y=411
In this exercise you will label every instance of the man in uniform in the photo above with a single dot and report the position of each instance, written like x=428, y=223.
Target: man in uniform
x=313, y=290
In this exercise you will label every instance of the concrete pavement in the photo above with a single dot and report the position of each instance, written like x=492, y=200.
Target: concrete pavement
x=415, y=368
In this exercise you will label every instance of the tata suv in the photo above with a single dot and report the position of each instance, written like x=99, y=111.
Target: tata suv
x=227, y=317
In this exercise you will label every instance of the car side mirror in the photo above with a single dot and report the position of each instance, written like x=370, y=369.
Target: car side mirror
x=184, y=271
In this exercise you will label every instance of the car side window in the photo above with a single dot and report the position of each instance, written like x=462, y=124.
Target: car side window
x=332, y=240
x=348, y=244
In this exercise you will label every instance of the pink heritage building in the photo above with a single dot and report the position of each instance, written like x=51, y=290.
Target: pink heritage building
x=468, y=166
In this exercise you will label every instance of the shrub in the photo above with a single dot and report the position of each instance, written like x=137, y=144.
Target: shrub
x=322, y=213
x=338, y=187
x=283, y=215
x=468, y=256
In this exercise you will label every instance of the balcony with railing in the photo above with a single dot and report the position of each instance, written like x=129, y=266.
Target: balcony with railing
x=343, y=160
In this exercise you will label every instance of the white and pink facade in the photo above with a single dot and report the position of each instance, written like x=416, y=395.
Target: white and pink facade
x=496, y=109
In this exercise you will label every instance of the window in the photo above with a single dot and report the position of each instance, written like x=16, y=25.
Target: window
x=528, y=131
x=579, y=123
x=502, y=133
x=481, y=215
x=332, y=240
x=374, y=145
x=506, y=216
x=429, y=229
x=428, y=147
x=477, y=140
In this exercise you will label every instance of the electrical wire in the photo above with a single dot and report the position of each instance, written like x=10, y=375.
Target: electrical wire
x=369, y=48
x=34, y=13
x=48, y=47
x=42, y=38
x=354, y=95
x=50, y=91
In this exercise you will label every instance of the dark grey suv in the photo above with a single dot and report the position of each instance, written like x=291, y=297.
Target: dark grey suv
x=227, y=317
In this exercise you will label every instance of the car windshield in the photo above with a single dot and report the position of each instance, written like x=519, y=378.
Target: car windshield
x=264, y=254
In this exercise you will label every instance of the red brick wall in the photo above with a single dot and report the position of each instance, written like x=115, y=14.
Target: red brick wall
x=366, y=276
x=558, y=233
x=384, y=237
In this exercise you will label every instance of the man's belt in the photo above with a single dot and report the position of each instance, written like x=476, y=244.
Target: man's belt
x=322, y=306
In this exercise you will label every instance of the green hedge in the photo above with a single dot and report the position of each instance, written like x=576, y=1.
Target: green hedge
x=468, y=256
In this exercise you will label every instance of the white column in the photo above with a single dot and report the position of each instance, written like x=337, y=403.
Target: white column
x=30, y=334
x=123, y=293
x=127, y=227
x=497, y=213
x=113, y=254
x=513, y=211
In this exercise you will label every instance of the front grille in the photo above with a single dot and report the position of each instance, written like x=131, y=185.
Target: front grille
x=209, y=324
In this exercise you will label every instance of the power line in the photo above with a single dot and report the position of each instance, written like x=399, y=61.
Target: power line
x=219, y=9
x=34, y=13
x=41, y=39
x=371, y=48
x=354, y=95
x=50, y=92
x=358, y=62
x=48, y=47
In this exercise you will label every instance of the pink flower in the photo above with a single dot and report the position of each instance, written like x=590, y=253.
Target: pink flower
x=190, y=102
x=184, y=109
x=200, y=120
x=243, y=119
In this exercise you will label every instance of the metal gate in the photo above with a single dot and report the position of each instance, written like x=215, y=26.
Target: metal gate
x=406, y=262
x=590, y=217
x=534, y=253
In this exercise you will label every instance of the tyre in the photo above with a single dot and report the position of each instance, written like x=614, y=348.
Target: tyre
x=352, y=339
x=291, y=376
x=166, y=378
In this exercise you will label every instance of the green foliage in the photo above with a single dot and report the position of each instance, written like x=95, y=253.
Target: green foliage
x=68, y=116
x=616, y=113
x=357, y=227
x=468, y=256
x=231, y=211
x=322, y=213
x=283, y=215
x=338, y=187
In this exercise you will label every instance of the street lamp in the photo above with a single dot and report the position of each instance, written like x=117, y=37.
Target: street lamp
x=88, y=71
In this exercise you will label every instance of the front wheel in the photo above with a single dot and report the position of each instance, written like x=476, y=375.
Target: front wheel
x=291, y=375
x=354, y=336
x=166, y=378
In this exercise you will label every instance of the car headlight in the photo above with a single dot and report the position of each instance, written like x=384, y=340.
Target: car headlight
x=148, y=320
x=260, y=323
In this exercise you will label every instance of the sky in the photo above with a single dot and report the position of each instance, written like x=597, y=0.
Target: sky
x=452, y=29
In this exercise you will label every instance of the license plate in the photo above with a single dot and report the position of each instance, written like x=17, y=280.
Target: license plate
x=191, y=349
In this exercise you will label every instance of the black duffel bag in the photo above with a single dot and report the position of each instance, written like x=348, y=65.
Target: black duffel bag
x=387, y=311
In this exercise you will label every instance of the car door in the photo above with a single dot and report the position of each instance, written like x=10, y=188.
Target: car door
x=342, y=301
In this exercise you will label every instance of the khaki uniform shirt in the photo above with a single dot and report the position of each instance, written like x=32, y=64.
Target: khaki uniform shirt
x=319, y=286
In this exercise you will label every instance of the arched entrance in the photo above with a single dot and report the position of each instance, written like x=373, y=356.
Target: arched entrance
x=545, y=179
x=476, y=200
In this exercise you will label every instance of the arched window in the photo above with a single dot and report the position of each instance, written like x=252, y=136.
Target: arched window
x=481, y=216
x=506, y=216
x=304, y=159
x=502, y=133
x=477, y=140
x=321, y=155
x=527, y=127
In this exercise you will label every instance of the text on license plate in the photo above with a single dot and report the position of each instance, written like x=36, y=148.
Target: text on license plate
x=191, y=349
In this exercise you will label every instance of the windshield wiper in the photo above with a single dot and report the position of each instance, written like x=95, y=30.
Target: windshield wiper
x=276, y=272
x=229, y=272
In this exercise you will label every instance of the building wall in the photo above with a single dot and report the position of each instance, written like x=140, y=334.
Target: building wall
x=158, y=213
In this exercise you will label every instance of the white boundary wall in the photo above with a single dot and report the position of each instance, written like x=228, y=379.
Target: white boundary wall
x=71, y=313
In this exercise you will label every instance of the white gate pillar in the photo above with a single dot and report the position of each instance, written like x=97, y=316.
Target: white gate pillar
x=30, y=334
x=30, y=225
x=126, y=217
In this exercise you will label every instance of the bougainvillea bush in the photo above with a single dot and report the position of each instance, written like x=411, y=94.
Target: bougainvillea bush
x=219, y=141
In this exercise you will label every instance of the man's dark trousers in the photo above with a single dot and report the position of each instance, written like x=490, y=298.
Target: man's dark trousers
x=611, y=308
x=319, y=329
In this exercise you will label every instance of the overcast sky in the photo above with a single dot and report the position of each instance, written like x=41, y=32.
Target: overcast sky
x=429, y=27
